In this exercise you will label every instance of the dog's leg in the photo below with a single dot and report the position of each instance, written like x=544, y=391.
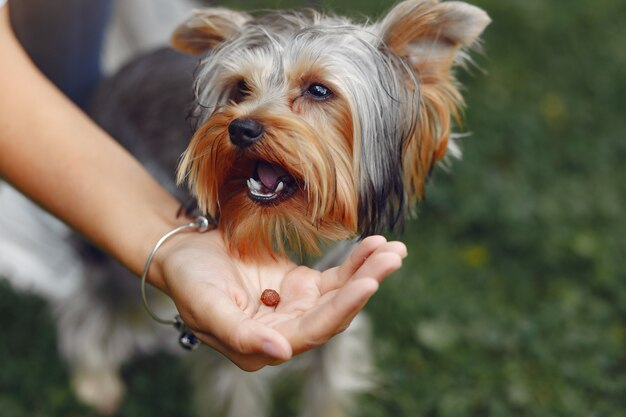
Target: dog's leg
x=341, y=370
x=102, y=325
x=98, y=387
x=220, y=388
x=83, y=328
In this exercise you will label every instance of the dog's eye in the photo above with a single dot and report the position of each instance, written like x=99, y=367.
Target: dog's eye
x=241, y=92
x=243, y=88
x=319, y=91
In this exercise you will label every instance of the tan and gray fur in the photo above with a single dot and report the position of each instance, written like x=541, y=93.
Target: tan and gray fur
x=357, y=159
x=360, y=159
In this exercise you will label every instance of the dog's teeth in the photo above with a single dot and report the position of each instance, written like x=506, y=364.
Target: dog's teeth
x=263, y=195
x=258, y=190
x=254, y=185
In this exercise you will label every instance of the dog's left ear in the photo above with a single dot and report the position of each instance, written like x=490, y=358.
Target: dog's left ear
x=430, y=36
x=207, y=28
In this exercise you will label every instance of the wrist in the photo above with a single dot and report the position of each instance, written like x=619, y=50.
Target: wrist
x=162, y=254
x=155, y=274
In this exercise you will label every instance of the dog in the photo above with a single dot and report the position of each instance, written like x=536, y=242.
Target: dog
x=313, y=129
x=306, y=130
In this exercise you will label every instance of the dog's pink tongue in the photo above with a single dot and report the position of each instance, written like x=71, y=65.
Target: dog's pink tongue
x=270, y=174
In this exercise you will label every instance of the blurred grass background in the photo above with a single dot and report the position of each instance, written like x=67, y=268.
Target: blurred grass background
x=513, y=299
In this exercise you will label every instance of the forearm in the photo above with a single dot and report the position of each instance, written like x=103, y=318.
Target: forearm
x=57, y=156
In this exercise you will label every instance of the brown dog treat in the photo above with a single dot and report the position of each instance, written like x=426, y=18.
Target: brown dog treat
x=270, y=298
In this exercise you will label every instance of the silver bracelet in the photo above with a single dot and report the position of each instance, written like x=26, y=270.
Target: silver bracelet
x=186, y=339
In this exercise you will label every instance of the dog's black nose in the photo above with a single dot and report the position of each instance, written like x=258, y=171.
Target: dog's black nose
x=244, y=132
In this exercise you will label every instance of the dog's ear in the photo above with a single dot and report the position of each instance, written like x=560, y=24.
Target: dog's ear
x=431, y=37
x=208, y=28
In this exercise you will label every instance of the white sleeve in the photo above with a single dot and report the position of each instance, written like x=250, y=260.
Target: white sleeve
x=2, y=2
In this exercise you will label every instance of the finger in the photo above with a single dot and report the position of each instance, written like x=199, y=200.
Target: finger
x=377, y=258
x=246, y=362
x=217, y=315
x=349, y=301
x=333, y=278
x=360, y=254
x=330, y=318
x=379, y=266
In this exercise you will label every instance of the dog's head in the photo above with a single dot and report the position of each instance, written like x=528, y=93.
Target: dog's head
x=312, y=128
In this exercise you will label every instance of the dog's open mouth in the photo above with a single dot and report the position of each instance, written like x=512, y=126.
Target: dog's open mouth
x=270, y=183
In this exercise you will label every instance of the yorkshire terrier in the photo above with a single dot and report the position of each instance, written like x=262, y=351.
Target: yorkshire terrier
x=308, y=129
x=312, y=129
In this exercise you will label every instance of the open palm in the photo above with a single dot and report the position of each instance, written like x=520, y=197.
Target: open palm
x=218, y=296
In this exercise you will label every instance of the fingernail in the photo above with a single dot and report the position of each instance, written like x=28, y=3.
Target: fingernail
x=273, y=350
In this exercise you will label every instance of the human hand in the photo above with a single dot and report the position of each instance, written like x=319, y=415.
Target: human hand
x=218, y=296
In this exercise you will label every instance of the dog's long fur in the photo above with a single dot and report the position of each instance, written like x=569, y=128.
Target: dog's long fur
x=367, y=154
x=357, y=159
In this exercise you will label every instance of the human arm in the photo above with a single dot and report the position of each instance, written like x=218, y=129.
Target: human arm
x=56, y=155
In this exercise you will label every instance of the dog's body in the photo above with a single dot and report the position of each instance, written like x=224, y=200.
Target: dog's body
x=350, y=119
x=100, y=321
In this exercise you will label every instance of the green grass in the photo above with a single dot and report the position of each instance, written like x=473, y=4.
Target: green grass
x=513, y=299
